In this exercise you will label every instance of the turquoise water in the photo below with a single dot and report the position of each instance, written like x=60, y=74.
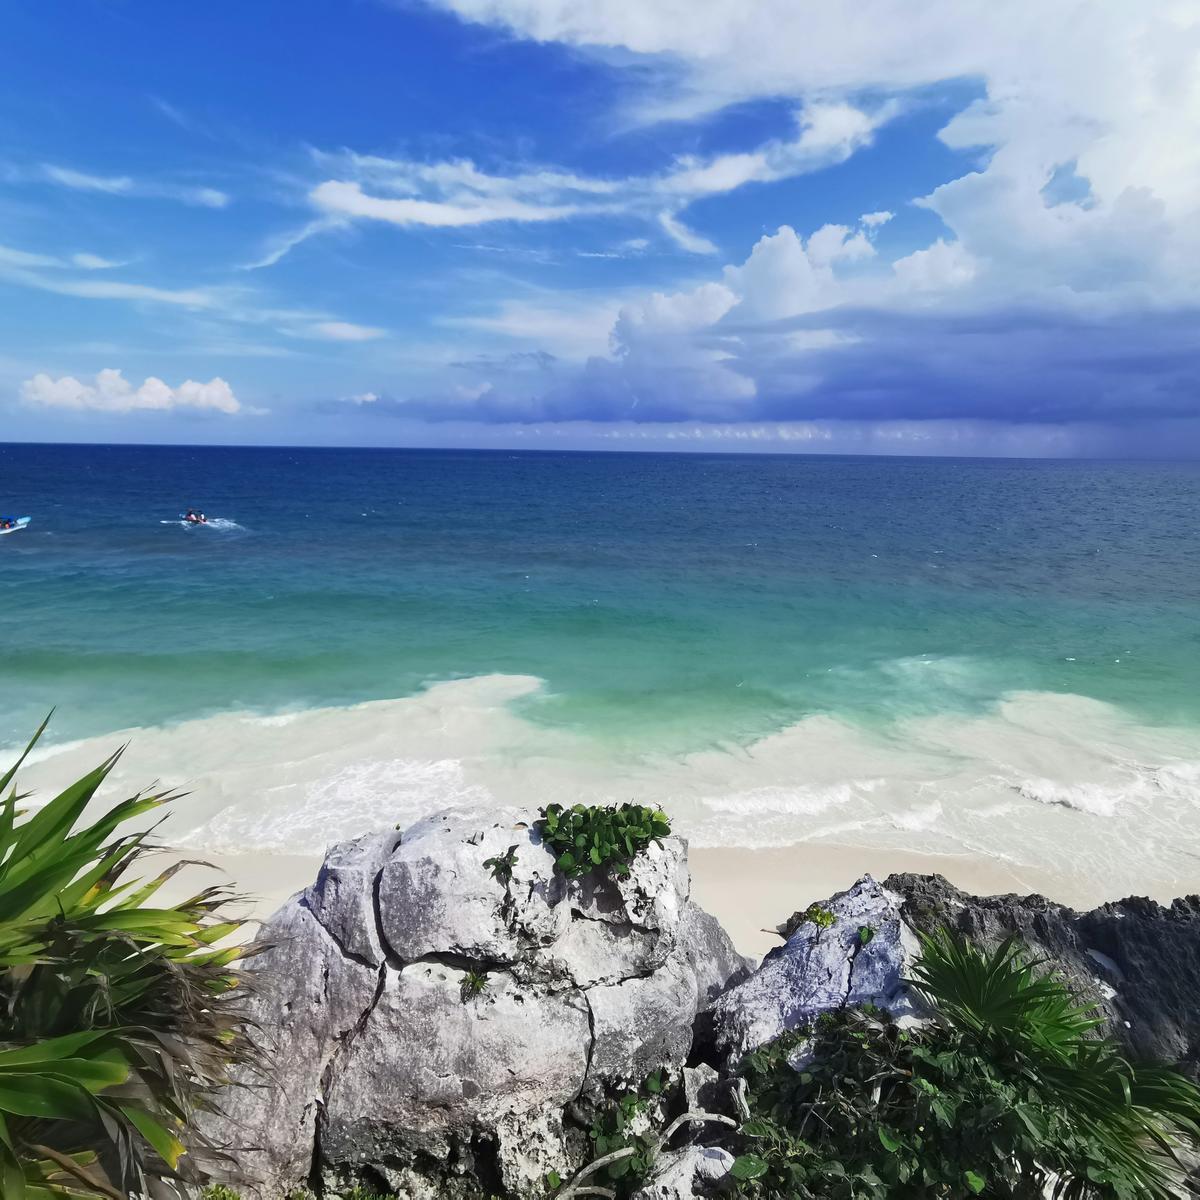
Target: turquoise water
x=665, y=600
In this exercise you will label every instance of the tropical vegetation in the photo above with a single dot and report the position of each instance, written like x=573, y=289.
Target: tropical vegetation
x=588, y=838
x=115, y=1018
x=1006, y=1092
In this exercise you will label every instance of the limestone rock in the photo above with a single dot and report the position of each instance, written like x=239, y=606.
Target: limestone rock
x=343, y=897
x=308, y=995
x=857, y=958
x=686, y=1174
x=382, y=1067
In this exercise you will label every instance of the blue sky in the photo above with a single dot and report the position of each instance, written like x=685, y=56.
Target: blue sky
x=845, y=226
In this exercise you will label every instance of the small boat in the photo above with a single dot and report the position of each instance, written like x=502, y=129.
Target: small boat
x=12, y=524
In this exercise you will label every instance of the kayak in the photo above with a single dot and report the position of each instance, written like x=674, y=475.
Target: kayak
x=17, y=523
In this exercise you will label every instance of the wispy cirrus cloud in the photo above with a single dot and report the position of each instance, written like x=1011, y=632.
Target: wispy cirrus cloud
x=13, y=257
x=345, y=331
x=226, y=304
x=125, y=185
x=458, y=193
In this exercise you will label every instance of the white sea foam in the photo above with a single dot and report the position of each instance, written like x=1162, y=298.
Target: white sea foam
x=1046, y=781
x=217, y=523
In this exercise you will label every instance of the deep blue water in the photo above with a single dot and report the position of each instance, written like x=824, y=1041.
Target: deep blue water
x=668, y=601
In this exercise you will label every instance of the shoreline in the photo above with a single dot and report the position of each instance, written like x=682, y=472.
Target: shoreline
x=749, y=891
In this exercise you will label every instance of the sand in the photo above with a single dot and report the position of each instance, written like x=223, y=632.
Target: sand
x=749, y=891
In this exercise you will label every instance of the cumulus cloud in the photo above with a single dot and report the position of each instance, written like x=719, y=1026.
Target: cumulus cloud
x=815, y=329
x=1064, y=278
x=111, y=392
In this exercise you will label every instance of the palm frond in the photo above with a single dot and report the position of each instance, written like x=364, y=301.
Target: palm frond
x=115, y=1014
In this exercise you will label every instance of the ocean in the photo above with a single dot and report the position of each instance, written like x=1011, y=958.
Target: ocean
x=986, y=657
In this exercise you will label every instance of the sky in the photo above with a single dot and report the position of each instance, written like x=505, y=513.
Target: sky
x=952, y=227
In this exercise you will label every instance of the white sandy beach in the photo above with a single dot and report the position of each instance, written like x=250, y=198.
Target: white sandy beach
x=1056, y=794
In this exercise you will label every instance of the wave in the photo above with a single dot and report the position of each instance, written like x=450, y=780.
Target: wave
x=1056, y=783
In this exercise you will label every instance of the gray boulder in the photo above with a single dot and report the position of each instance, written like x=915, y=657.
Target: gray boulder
x=852, y=950
x=688, y=1173
x=382, y=1065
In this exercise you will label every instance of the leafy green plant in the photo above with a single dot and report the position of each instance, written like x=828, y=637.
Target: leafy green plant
x=218, y=1191
x=627, y=1147
x=474, y=983
x=613, y=1130
x=613, y=1137
x=1007, y=1093
x=115, y=1022
x=501, y=866
x=866, y=935
x=822, y=918
x=591, y=837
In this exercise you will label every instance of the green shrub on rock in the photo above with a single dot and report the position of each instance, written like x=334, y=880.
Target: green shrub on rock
x=592, y=837
x=1005, y=1093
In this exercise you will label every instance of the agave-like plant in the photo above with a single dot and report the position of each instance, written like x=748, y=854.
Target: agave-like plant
x=115, y=1018
x=1007, y=1092
x=1126, y=1120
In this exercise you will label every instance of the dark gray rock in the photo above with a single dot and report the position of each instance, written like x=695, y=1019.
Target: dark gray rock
x=1137, y=961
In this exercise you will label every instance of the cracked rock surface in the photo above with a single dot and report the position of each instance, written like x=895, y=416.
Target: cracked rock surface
x=688, y=1173
x=857, y=957
x=381, y=1068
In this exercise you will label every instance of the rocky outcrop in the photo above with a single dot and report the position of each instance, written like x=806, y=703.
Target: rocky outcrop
x=688, y=1173
x=434, y=1026
x=849, y=951
x=1137, y=961
x=441, y=1032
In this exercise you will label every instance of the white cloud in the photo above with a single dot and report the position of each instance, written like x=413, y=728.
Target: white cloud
x=41, y=272
x=111, y=392
x=828, y=134
x=942, y=265
x=571, y=326
x=116, y=290
x=114, y=185
x=93, y=262
x=346, y=331
x=839, y=243
x=125, y=185
x=1114, y=99
x=11, y=257
x=348, y=199
x=456, y=193
x=279, y=247
x=687, y=239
